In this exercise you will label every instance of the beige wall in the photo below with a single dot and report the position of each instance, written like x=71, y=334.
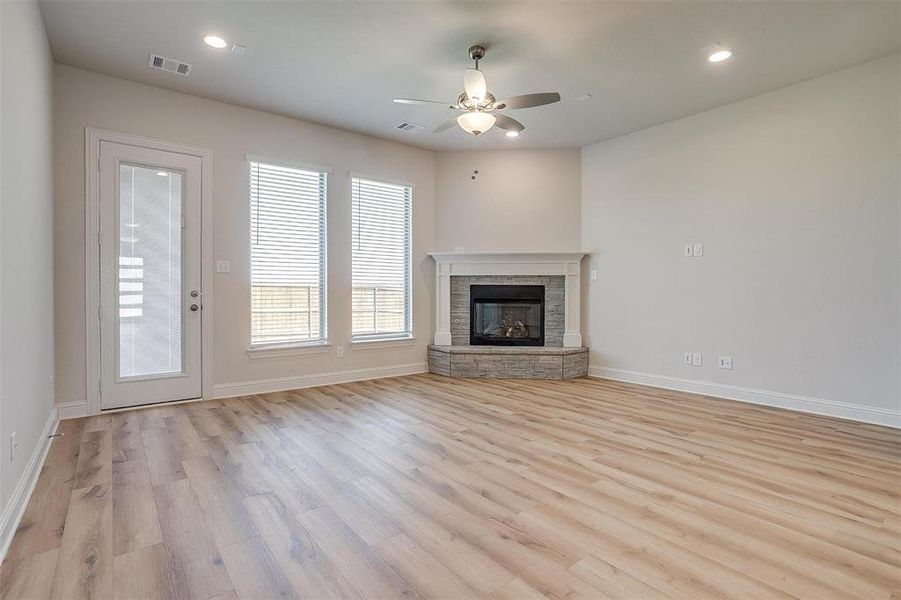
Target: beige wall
x=796, y=197
x=521, y=200
x=86, y=98
x=800, y=222
x=26, y=237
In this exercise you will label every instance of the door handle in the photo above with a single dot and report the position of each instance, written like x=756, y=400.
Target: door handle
x=194, y=307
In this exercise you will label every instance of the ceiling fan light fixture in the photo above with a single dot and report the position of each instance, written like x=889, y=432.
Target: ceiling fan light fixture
x=475, y=86
x=476, y=122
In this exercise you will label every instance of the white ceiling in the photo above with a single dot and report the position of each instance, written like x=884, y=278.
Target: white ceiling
x=341, y=63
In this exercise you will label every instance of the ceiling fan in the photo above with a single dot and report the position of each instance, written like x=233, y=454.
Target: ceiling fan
x=480, y=107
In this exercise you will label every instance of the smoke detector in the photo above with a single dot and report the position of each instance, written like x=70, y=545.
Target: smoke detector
x=169, y=65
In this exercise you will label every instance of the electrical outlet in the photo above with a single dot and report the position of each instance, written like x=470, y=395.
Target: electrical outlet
x=687, y=358
x=339, y=351
x=698, y=249
x=726, y=362
x=594, y=274
x=223, y=266
x=689, y=250
x=696, y=359
x=459, y=249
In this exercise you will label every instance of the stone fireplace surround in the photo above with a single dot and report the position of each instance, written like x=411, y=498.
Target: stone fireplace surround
x=562, y=356
x=553, y=303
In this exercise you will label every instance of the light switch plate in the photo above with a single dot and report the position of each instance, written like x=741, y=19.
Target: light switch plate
x=594, y=274
x=696, y=359
x=699, y=249
x=223, y=266
x=689, y=250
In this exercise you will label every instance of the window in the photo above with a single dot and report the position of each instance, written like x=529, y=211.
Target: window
x=287, y=255
x=382, y=240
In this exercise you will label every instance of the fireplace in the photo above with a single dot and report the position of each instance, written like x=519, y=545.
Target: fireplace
x=506, y=315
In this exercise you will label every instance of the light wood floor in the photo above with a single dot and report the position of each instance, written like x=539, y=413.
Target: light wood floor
x=432, y=487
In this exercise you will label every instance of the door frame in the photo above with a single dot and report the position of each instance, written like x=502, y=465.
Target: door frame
x=93, y=137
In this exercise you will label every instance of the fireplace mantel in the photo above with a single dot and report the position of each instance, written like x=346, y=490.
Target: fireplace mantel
x=509, y=263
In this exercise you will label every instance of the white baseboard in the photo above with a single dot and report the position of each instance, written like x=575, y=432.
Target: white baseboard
x=15, y=507
x=75, y=410
x=818, y=406
x=72, y=410
x=262, y=386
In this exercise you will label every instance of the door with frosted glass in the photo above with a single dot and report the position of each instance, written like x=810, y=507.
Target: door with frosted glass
x=150, y=295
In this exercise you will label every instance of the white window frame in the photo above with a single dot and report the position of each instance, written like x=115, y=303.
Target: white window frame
x=383, y=340
x=300, y=347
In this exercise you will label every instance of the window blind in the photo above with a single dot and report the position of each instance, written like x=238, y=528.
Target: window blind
x=382, y=241
x=287, y=254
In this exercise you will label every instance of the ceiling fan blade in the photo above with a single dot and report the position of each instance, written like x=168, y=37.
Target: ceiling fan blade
x=528, y=100
x=417, y=101
x=507, y=123
x=474, y=84
x=445, y=125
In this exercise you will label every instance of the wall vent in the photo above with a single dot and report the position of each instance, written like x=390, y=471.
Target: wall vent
x=411, y=127
x=169, y=65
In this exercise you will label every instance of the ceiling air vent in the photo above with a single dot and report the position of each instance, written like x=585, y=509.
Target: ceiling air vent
x=411, y=127
x=169, y=65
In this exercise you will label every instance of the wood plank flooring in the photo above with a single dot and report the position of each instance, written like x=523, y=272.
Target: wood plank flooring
x=427, y=487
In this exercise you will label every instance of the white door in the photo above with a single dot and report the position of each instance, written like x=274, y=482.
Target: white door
x=150, y=295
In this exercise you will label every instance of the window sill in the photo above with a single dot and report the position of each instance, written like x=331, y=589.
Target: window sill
x=385, y=342
x=288, y=350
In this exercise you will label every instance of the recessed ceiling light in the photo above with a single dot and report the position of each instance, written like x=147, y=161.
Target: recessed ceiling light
x=717, y=53
x=162, y=173
x=512, y=134
x=215, y=41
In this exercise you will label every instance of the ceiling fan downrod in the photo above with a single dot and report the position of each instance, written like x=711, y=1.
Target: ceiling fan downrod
x=477, y=53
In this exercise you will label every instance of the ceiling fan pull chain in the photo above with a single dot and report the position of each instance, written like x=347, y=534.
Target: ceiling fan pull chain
x=475, y=163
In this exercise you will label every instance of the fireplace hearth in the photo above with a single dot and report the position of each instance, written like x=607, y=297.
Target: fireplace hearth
x=506, y=315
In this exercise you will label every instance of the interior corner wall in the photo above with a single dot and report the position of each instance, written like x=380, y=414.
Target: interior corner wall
x=520, y=200
x=26, y=242
x=796, y=196
x=85, y=98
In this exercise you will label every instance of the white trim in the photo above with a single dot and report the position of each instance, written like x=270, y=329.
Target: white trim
x=567, y=264
x=72, y=410
x=291, y=164
x=77, y=410
x=383, y=342
x=379, y=179
x=280, y=384
x=93, y=137
x=18, y=501
x=807, y=404
x=514, y=256
x=572, y=340
x=276, y=350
